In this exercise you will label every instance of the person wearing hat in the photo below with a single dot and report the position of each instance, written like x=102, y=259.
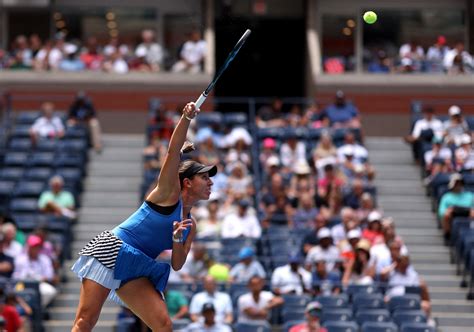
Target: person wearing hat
x=325, y=281
x=373, y=232
x=436, y=54
x=33, y=265
x=342, y=113
x=438, y=159
x=209, y=323
x=241, y=223
x=360, y=270
x=456, y=202
x=455, y=126
x=121, y=263
x=312, y=312
x=324, y=250
x=291, y=278
x=348, y=245
x=247, y=267
x=268, y=150
x=256, y=305
x=464, y=155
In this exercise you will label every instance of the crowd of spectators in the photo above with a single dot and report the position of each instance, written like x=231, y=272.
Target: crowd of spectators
x=60, y=54
x=304, y=223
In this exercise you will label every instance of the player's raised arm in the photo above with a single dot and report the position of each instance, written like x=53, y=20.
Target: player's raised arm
x=167, y=189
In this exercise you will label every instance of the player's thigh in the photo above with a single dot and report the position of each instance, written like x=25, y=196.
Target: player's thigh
x=91, y=300
x=142, y=298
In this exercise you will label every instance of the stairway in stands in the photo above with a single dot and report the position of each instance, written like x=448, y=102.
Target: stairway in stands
x=111, y=194
x=402, y=196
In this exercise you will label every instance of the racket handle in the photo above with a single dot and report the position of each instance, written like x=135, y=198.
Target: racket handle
x=200, y=100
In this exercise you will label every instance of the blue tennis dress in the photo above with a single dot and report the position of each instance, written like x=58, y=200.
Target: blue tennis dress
x=129, y=251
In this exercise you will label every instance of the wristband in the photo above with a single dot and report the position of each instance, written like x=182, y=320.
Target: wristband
x=187, y=117
x=177, y=239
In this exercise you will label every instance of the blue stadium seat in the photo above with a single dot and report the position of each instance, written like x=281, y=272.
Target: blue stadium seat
x=38, y=159
x=20, y=131
x=76, y=145
x=379, y=327
x=341, y=326
x=368, y=301
x=407, y=301
x=295, y=301
x=333, y=301
x=26, y=222
x=416, y=327
x=39, y=174
x=290, y=314
x=209, y=118
x=180, y=324
x=15, y=159
x=47, y=145
x=76, y=132
x=23, y=205
x=269, y=132
x=408, y=316
x=251, y=327
x=11, y=173
x=30, y=189
x=20, y=144
x=27, y=117
x=69, y=160
x=372, y=315
x=361, y=289
x=339, y=315
x=235, y=118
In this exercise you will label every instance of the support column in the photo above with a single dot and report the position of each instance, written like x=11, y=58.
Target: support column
x=209, y=36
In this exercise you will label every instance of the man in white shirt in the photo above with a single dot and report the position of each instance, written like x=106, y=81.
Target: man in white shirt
x=221, y=301
x=351, y=147
x=339, y=231
x=255, y=307
x=48, y=125
x=291, y=278
x=460, y=52
x=192, y=54
x=428, y=122
x=325, y=250
x=247, y=267
x=241, y=223
x=209, y=323
x=150, y=50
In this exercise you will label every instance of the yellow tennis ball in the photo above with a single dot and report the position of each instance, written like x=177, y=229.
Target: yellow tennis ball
x=370, y=17
x=220, y=272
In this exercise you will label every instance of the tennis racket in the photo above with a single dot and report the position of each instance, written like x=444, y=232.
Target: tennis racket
x=229, y=59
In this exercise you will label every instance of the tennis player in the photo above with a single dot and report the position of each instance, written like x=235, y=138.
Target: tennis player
x=120, y=264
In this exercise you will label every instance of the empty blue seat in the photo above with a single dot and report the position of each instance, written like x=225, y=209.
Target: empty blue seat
x=76, y=132
x=15, y=159
x=368, y=301
x=251, y=327
x=416, y=327
x=341, y=326
x=26, y=222
x=235, y=118
x=295, y=301
x=6, y=187
x=26, y=205
x=407, y=301
x=39, y=173
x=372, y=315
x=70, y=174
x=269, y=132
x=333, y=301
x=20, y=144
x=179, y=324
x=209, y=118
x=362, y=289
x=77, y=145
x=11, y=173
x=21, y=131
x=47, y=145
x=408, y=316
x=379, y=327
x=41, y=159
x=290, y=314
x=339, y=315
x=69, y=160
x=28, y=189
x=27, y=117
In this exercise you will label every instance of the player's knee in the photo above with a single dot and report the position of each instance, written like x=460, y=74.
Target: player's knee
x=163, y=323
x=83, y=324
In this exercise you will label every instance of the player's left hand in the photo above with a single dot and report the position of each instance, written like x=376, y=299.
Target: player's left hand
x=180, y=226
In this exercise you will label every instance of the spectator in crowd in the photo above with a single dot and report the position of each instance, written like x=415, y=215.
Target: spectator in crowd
x=22, y=54
x=151, y=51
x=239, y=181
x=57, y=201
x=325, y=281
x=51, y=54
x=455, y=126
x=32, y=265
x=71, y=62
x=192, y=54
x=381, y=253
x=116, y=63
x=438, y=159
x=366, y=206
x=351, y=146
x=209, y=322
x=436, y=54
x=325, y=250
x=325, y=152
x=411, y=57
x=456, y=202
x=82, y=112
x=22, y=307
x=47, y=125
x=294, y=117
x=237, y=143
x=154, y=154
x=313, y=312
x=424, y=129
x=176, y=303
x=380, y=64
x=464, y=155
x=210, y=225
x=458, y=60
x=403, y=275
x=6, y=261
x=221, y=301
x=373, y=232
x=360, y=271
x=271, y=115
x=208, y=150
x=11, y=246
x=91, y=57
x=305, y=212
x=35, y=44
x=301, y=181
x=291, y=278
x=256, y=306
x=241, y=223
x=329, y=185
x=11, y=318
x=349, y=222
x=291, y=151
x=49, y=249
x=197, y=264
x=348, y=246
x=342, y=113
x=248, y=267
x=268, y=150
x=114, y=46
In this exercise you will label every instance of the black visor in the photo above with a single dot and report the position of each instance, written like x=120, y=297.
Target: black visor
x=197, y=168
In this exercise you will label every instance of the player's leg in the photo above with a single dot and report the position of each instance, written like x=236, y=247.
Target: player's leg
x=142, y=298
x=93, y=296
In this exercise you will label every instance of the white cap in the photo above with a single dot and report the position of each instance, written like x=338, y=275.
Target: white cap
x=354, y=234
x=466, y=139
x=324, y=233
x=454, y=110
x=374, y=216
x=273, y=161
